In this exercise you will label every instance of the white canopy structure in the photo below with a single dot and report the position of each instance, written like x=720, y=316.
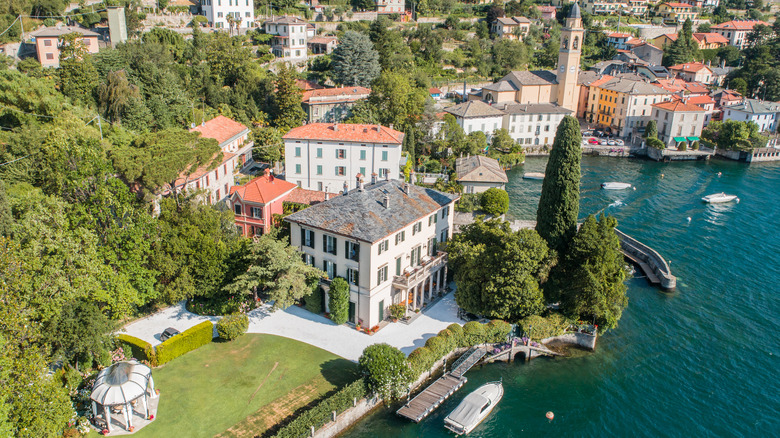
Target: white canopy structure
x=119, y=386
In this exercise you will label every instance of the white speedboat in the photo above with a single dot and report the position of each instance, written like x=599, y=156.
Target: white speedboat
x=615, y=186
x=474, y=408
x=719, y=198
x=533, y=175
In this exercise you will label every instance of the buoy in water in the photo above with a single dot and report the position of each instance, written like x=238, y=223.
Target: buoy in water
x=550, y=415
x=634, y=188
x=662, y=175
x=689, y=218
x=719, y=174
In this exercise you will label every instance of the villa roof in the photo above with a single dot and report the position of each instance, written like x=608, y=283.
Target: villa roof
x=286, y=20
x=322, y=39
x=675, y=85
x=710, y=38
x=690, y=67
x=739, y=25
x=535, y=77
x=308, y=197
x=701, y=100
x=63, y=30
x=479, y=168
x=535, y=108
x=220, y=128
x=474, y=108
x=644, y=43
x=755, y=106
x=678, y=106
x=619, y=35
x=328, y=95
x=508, y=21
x=628, y=86
x=500, y=86
x=346, y=132
x=677, y=5
x=361, y=214
x=263, y=189
x=308, y=85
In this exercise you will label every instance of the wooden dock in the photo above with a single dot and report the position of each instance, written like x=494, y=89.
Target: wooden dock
x=434, y=395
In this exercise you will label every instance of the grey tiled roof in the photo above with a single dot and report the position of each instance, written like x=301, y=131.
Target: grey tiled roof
x=474, y=108
x=754, y=106
x=536, y=77
x=587, y=76
x=500, y=86
x=535, y=108
x=479, y=168
x=361, y=214
x=633, y=87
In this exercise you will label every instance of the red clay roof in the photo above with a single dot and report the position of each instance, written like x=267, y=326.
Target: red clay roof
x=220, y=128
x=346, y=132
x=710, y=38
x=677, y=5
x=351, y=93
x=690, y=67
x=701, y=100
x=263, y=189
x=619, y=35
x=602, y=80
x=434, y=90
x=739, y=25
x=322, y=39
x=308, y=85
x=678, y=106
x=202, y=170
x=308, y=197
x=671, y=36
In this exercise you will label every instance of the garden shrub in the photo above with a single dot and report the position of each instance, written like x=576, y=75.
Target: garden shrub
x=497, y=330
x=232, y=326
x=495, y=202
x=553, y=324
x=314, y=301
x=437, y=345
x=320, y=413
x=682, y=146
x=468, y=202
x=189, y=340
x=385, y=371
x=457, y=331
x=449, y=338
x=473, y=334
x=339, y=300
x=655, y=143
x=397, y=311
x=138, y=348
x=421, y=360
x=695, y=145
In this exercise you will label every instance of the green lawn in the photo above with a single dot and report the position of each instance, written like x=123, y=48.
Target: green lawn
x=241, y=388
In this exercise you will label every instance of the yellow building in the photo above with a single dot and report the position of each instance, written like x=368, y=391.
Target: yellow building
x=624, y=105
x=677, y=12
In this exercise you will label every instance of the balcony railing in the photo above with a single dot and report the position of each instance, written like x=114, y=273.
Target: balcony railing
x=421, y=271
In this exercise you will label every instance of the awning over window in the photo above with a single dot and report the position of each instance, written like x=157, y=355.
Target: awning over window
x=679, y=139
x=693, y=138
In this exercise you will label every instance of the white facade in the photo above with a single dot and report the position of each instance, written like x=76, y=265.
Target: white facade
x=390, y=6
x=683, y=123
x=488, y=124
x=766, y=121
x=533, y=129
x=217, y=11
x=290, y=37
x=327, y=164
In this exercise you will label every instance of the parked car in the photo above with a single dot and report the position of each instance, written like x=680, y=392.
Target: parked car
x=587, y=133
x=603, y=142
x=593, y=141
x=619, y=142
x=598, y=133
x=168, y=334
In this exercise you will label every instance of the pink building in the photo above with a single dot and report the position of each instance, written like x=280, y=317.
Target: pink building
x=47, y=42
x=255, y=203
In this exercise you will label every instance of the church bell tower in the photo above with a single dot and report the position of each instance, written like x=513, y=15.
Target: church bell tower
x=569, y=59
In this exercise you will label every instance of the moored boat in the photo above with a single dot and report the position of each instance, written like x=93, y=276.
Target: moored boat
x=719, y=198
x=533, y=175
x=615, y=186
x=474, y=408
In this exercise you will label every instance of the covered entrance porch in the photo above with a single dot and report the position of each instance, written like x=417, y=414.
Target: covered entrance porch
x=419, y=285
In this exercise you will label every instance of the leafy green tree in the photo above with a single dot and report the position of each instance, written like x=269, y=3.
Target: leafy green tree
x=269, y=146
x=396, y=100
x=79, y=334
x=651, y=130
x=593, y=286
x=363, y=5
x=733, y=135
x=498, y=271
x=684, y=48
x=276, y=270
x=287, y=100
x=114, y=95
x=354, y=61
x=495, y=202
x=385, y=371
x=338, y=300
x=77, y=73
x=502, y=141
x=559, y=204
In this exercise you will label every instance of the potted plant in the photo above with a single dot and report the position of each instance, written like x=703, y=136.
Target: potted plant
x=397, y=311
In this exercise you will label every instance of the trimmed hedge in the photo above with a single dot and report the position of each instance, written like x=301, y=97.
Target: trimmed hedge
x=139, y=349
x=473, y=334
x=189, y=340
x=232, y=326
x=314, y=301
x=338, y=298
x=421, y=360
x=497, y=330
x=437, y=345
x=321, y=413
x=553, y=324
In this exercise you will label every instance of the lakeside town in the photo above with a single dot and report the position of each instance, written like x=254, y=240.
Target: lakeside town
x=246, y=218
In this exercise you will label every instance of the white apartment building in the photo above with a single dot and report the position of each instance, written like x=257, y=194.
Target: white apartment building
x=390, y=6
x=678, y=121
x=476, y=115
x=290, y=37
x=327, y=156
x=762, y=113
x=533, y=124
x=233, y=139
x=736, y=31
x=217, y=11
x=383, y=238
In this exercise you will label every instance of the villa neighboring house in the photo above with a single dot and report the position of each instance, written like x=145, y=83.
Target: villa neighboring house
x=331, y=104
x=648, y=53
x=547, y=12
x=619, y=40
x=321, y=156
x=511, y=27
x=290, y=37
x=47, y=42
x=475, y=115
x=736, y=31
x=707, y=103
x=322, y=44
x=683, y=88
x=693, y=72
x=383, y=238
x=218, y=11
x=605, y=7
x=677, y=12
x=533, y=124
x=623, y=105
x=233, y=139
x=255, y=203
x=678, y=121
x=390, y=6
x=478, y=173
x=710, y=40
x=762, y=113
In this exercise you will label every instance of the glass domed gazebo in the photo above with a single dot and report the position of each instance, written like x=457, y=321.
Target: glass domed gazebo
x=120, y=387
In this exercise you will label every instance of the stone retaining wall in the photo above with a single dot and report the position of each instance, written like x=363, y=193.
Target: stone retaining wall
x=583, y=340
x=347, y=418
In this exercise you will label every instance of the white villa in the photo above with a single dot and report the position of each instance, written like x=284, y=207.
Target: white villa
x=383, y=239
x=762, y=113
x=290, y=37
x=217, y=11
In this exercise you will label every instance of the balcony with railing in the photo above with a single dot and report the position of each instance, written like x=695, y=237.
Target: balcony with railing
x=412, y=276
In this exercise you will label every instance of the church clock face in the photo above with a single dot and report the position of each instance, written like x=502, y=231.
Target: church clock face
x=571, y=69
x=563, y=68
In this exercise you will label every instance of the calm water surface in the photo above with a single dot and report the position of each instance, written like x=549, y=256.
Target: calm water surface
x=701, y=361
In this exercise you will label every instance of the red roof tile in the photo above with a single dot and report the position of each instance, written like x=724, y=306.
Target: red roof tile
x=602, y=80
x=619, y=35
x=202, y=170
x=350, y=93
x=739, y=25
x=346, y=132
x=690, y=67
x=263, y=189
x=701, y=100
x=434, y=90
x=678, y=5
x=308, y=85
x=220, y=128
x=322, y=39
x=710, y=38
x=678, y=106
x=308, y=197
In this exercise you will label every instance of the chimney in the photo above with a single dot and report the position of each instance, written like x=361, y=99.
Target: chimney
x=411, y=177
x=406, y=188
x=378, y=128
x=359, y=183
x=386, y=200
x=327, y=194
x=346, y=188
x=373, y=178
x=335, y=126
x=391, y=126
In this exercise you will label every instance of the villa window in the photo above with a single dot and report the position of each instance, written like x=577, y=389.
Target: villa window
x=319, y=152
x=443, y=236
x=381, y=275
x=329, y=244
x=416, y=228
x=353, y=250
x=383, y=246
x=400, y=237
x=432, y=219
x=319, y=169
x=353, y=276
x=329, y=268
x=307, y=238
x=384, y=155
x=298, y=169
x=363, y=155
x=341, y=154
x=383, y=172
x=341, y=170
x=257, y=212
x=308, y=259
x=238, y=209
x=415, y=256
x=398, y=263
x=432, y=246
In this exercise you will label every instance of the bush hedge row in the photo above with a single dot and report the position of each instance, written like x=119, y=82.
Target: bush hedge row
x=538, y=327
x=232, y=326
x=138, y=348
x=321, y=412
x=189, y=340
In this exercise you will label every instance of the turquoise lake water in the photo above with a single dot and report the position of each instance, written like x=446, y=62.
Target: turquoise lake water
x=701, y=361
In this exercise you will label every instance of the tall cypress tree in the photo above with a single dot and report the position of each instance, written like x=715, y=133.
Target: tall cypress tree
x=559, y=205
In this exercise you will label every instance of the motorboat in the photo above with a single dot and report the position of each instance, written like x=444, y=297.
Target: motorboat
x=533, y=175
x=615, y=186
x=474, y=408
x=719, y=198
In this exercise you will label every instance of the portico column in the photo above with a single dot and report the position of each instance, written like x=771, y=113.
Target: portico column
x=107, y=412
x=146, y=408
x=94, y=409
x=438, y=281
x=421, y=293
x=430, y=287
x=444, y=279
x=127, y=418
x=151, y=385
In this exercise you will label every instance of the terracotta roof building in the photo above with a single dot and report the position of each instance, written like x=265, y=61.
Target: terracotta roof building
x=736, y=31
x=255, y=203
x=47, y=42
x=678, y=122
x=331, y=104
